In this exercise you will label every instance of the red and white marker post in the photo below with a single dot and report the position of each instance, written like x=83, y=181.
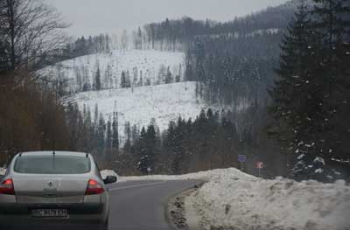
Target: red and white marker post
x=259, y=166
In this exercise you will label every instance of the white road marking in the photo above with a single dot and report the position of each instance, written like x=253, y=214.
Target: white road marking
x=135, y=186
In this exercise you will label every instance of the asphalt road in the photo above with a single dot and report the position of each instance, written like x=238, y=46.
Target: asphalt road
x=141, y=205
x=137, y=205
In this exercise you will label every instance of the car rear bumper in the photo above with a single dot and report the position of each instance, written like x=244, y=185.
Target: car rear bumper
x=20, y=214
x=71, y=219
x=73, y=209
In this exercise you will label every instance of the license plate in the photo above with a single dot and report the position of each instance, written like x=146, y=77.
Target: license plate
x=49, y=213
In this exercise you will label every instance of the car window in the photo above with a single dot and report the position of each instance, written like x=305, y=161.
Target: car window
x=52, y=165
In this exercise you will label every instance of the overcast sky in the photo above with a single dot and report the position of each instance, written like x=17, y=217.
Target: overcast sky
x=91, y=17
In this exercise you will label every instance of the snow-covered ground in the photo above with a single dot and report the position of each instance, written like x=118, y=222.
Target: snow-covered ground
x=145, y=62
x=136, y=105
x=234, y=200
x=164, y=103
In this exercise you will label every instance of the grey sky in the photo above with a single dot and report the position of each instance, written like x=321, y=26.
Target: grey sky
x=91, y=17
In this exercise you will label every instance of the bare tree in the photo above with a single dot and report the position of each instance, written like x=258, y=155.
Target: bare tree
x=30, y=33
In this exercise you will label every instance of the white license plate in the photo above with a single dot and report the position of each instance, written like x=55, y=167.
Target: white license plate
x=49, y=213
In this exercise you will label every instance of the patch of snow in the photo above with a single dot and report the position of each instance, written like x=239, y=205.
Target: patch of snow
x=309, y=145
x=339, y=160
x=234, y=200
x=320, y=159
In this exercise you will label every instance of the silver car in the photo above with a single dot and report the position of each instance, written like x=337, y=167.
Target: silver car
x=54, y=187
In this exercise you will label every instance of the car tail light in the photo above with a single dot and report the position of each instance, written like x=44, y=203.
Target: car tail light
x=94, y=188
x=6, y=187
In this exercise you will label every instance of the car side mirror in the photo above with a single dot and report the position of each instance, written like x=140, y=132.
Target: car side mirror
x=110, y=180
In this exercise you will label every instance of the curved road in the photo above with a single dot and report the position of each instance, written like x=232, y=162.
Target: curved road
x=137, y=205
x=141, y=205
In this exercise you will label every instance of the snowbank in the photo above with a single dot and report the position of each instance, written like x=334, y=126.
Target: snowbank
x=204, y=175
x=234, y=200
x=273, y=204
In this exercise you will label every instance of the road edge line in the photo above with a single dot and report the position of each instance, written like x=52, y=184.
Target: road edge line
x=167, y=203
x=137, y=186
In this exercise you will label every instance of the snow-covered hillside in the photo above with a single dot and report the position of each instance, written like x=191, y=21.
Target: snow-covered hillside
x=164, y=103
x=147, y=98
x=234, y=200
x=146, y=63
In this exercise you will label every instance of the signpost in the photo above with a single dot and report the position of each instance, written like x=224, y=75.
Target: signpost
x=259, y=166
x=149, y=170
x=242, y=159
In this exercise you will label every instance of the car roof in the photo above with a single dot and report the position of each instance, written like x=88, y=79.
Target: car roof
x=58, y=153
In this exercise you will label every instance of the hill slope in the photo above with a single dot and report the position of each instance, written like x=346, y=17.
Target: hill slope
x=79, y=74
x=164, y=103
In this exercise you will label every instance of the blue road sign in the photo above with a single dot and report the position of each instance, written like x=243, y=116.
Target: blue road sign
x=242, y=158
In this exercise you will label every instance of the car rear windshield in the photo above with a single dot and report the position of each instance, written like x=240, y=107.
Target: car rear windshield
x=52, y=165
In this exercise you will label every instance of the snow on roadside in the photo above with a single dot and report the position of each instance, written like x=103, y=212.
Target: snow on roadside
x=205, y=175
x=234, y=200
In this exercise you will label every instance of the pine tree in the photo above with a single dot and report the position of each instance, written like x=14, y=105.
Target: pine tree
x=127, y=80
x=310, y=91
x=168, y=77
x=332, y=25
x=96, y=113
x=87, y=144
x=151, y=146
x=98, y=79
x=115, y=133
x=143, y=162
x=109, y=149
x=108, y=81
x=332, y=22
x=292, y=101
x=139, y=39
x=101, y=131
x=135, y=134
x=123, y=80
x=127, y=133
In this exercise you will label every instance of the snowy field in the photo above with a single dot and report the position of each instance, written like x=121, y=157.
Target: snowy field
x=234, y=200
x=164, y=103
x=146, y=61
